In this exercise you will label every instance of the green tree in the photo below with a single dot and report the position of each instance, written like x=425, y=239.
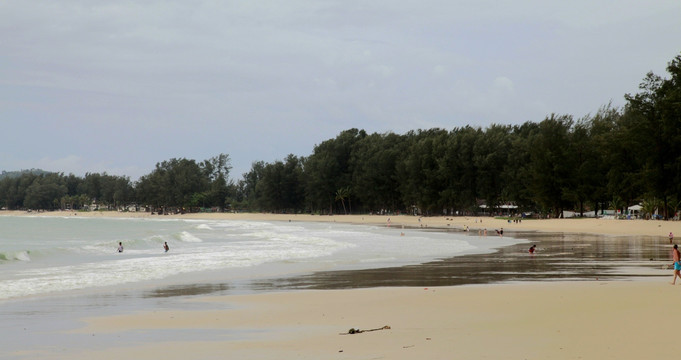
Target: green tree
x=490, y=155
x=328, y=168
x=551, y=166
x=173, y=183
x=421, y=171
x=249, y=185
x=655, y=122
x=42, y=194
x=613, y=159
x=342, y=194
x=374, y=162
x=281, y=186
x=515, y=177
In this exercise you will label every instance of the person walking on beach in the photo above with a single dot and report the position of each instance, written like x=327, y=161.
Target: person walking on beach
x=677, y=263
x=120, y=247
x=671, y=237
x=165, y=246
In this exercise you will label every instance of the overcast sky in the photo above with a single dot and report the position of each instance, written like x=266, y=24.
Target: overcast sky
x=117, y=86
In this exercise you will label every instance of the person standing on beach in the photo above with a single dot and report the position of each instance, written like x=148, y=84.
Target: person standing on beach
x=671, y=237
x=677, y=263
x=120, y=247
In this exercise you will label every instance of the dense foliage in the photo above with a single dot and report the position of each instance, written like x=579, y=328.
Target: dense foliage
x=611, y=159
x=175, y=185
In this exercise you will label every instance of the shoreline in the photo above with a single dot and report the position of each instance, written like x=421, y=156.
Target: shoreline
x=591, y=319
x=611, y=227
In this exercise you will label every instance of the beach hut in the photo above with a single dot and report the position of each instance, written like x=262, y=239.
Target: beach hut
x=634, y=210
x=508, y=208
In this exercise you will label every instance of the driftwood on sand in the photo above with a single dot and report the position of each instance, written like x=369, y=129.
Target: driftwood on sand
x=358, y=331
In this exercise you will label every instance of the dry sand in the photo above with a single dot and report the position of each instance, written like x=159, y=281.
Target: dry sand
x=564, y=320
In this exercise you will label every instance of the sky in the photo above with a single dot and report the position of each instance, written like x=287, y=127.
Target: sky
x=118, y=86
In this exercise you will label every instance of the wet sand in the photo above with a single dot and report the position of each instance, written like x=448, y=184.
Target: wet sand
x=559, y=257
x=566, y=320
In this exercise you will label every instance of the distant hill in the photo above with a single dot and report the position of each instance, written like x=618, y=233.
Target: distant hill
x=15, y=174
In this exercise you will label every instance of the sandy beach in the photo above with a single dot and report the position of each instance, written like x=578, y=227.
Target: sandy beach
x=592, y=320
x=585, y=226
x=540, y=320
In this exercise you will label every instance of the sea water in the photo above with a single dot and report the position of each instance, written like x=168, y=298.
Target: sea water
x=40, y=256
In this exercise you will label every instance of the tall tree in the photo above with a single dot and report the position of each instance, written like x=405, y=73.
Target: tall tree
x=515, y=176
x=670, y=114
x=420, y=173
x=328, y=168
x=173, y=183
x=490, y=155
x=374, y=176
x=643, y=111
x=551, y=165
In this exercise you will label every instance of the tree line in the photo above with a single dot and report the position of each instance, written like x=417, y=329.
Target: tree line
x=174, y=185
x=608, y=160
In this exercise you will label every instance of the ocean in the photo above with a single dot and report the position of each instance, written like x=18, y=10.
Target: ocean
x=44, y=256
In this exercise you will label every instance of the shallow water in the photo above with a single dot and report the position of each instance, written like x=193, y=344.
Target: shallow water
x=559, y=257
x=43, y=256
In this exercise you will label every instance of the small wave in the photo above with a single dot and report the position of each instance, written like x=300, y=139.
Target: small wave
x=204, y=227
x=18, y=256
x=22, y=256
x=378, y=260
x=187, y=237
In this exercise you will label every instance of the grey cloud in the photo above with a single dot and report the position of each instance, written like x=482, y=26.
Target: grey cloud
x=259, y=80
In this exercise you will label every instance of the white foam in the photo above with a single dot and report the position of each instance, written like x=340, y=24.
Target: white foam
x=82, y=255
x=22, y=256
x=187, y=237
